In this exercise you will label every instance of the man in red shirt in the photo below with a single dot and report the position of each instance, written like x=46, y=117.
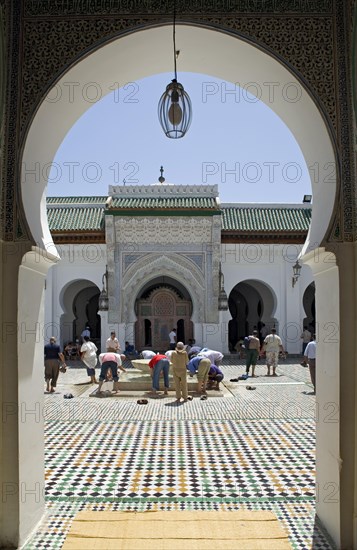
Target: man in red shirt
x=159, y=363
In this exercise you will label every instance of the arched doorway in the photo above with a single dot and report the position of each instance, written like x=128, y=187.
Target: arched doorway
x=308, y=302
x=79, y=301
x=131, y=55
x=160, y=308
x=251, y=304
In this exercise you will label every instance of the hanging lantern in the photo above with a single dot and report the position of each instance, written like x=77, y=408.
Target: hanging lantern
x=103, y=300
x=175, y=109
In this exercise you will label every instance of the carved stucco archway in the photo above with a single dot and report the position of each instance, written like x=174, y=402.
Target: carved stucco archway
x=139, y=55
x=175, y=266
x=219, y=53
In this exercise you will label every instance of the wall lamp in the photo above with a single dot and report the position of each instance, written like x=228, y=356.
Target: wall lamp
x=103, y=301
x=296, y=272
x=222, y=298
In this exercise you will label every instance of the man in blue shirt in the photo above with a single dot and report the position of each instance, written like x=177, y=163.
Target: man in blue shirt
x=214, y=375
x=200, y=366
x=53, y=356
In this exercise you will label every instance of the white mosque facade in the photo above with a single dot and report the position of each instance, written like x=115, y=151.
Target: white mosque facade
x=150, y=258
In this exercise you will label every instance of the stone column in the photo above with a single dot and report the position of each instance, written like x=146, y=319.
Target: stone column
x=104, y=329
x=335, y=399
x=224, y=318
x=22, y=378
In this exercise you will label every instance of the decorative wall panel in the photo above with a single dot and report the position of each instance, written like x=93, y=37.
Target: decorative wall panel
x=311, y=36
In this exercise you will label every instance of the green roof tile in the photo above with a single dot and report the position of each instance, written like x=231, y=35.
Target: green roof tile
x=76, y=200
x=265, y=219
x=164, y=202
x=75, y=219
x=87, y=213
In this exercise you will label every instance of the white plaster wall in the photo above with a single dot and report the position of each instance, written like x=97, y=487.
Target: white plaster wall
x=271, y=264
x=30, y=489
x=78, y=262
x=328, y=453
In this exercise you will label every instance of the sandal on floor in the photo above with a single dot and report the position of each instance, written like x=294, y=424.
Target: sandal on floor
x=203, y=397
x=250, y=388
x=142, y=401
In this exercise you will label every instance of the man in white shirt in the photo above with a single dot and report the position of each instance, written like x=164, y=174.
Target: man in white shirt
x=169, y=353
x=310, y=358
x=272, y=345
x=89, y=357
x=112, y=344
x=147, y=354
x=214, y=356
x=172, y=338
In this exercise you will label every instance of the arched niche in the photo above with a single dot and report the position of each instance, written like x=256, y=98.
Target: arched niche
x=251, y=303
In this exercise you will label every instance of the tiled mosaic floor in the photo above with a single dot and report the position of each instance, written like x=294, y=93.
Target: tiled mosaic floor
x=249, y=449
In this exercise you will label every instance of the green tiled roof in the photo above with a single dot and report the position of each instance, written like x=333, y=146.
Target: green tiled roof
x=164, y=202
x=246, y=219
x=76, y=200
x=70, y=214
x=75, y=218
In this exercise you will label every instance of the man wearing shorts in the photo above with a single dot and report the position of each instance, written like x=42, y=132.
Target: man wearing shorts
x=272, y=346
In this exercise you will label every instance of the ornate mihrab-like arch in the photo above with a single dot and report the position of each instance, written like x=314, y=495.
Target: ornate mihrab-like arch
x=175, y=266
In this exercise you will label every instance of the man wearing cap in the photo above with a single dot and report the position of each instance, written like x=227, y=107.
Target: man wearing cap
x=53, y=354
x=179, y=360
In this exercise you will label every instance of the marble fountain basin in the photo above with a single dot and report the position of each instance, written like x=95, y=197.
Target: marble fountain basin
x=142, y=365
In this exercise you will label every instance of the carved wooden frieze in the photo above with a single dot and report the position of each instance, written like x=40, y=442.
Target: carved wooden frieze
x=45, y=37
x=52, y=44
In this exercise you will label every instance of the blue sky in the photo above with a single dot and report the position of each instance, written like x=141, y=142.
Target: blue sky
x=235, y=141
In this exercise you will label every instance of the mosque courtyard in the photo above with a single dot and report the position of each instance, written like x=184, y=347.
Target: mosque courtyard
x=247, y=449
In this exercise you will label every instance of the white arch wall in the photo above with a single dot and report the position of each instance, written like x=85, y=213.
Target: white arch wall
x=140, y=55
x=272, y=265
x=79, y=263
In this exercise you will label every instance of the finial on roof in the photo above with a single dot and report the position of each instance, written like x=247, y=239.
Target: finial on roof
x=161, y=178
